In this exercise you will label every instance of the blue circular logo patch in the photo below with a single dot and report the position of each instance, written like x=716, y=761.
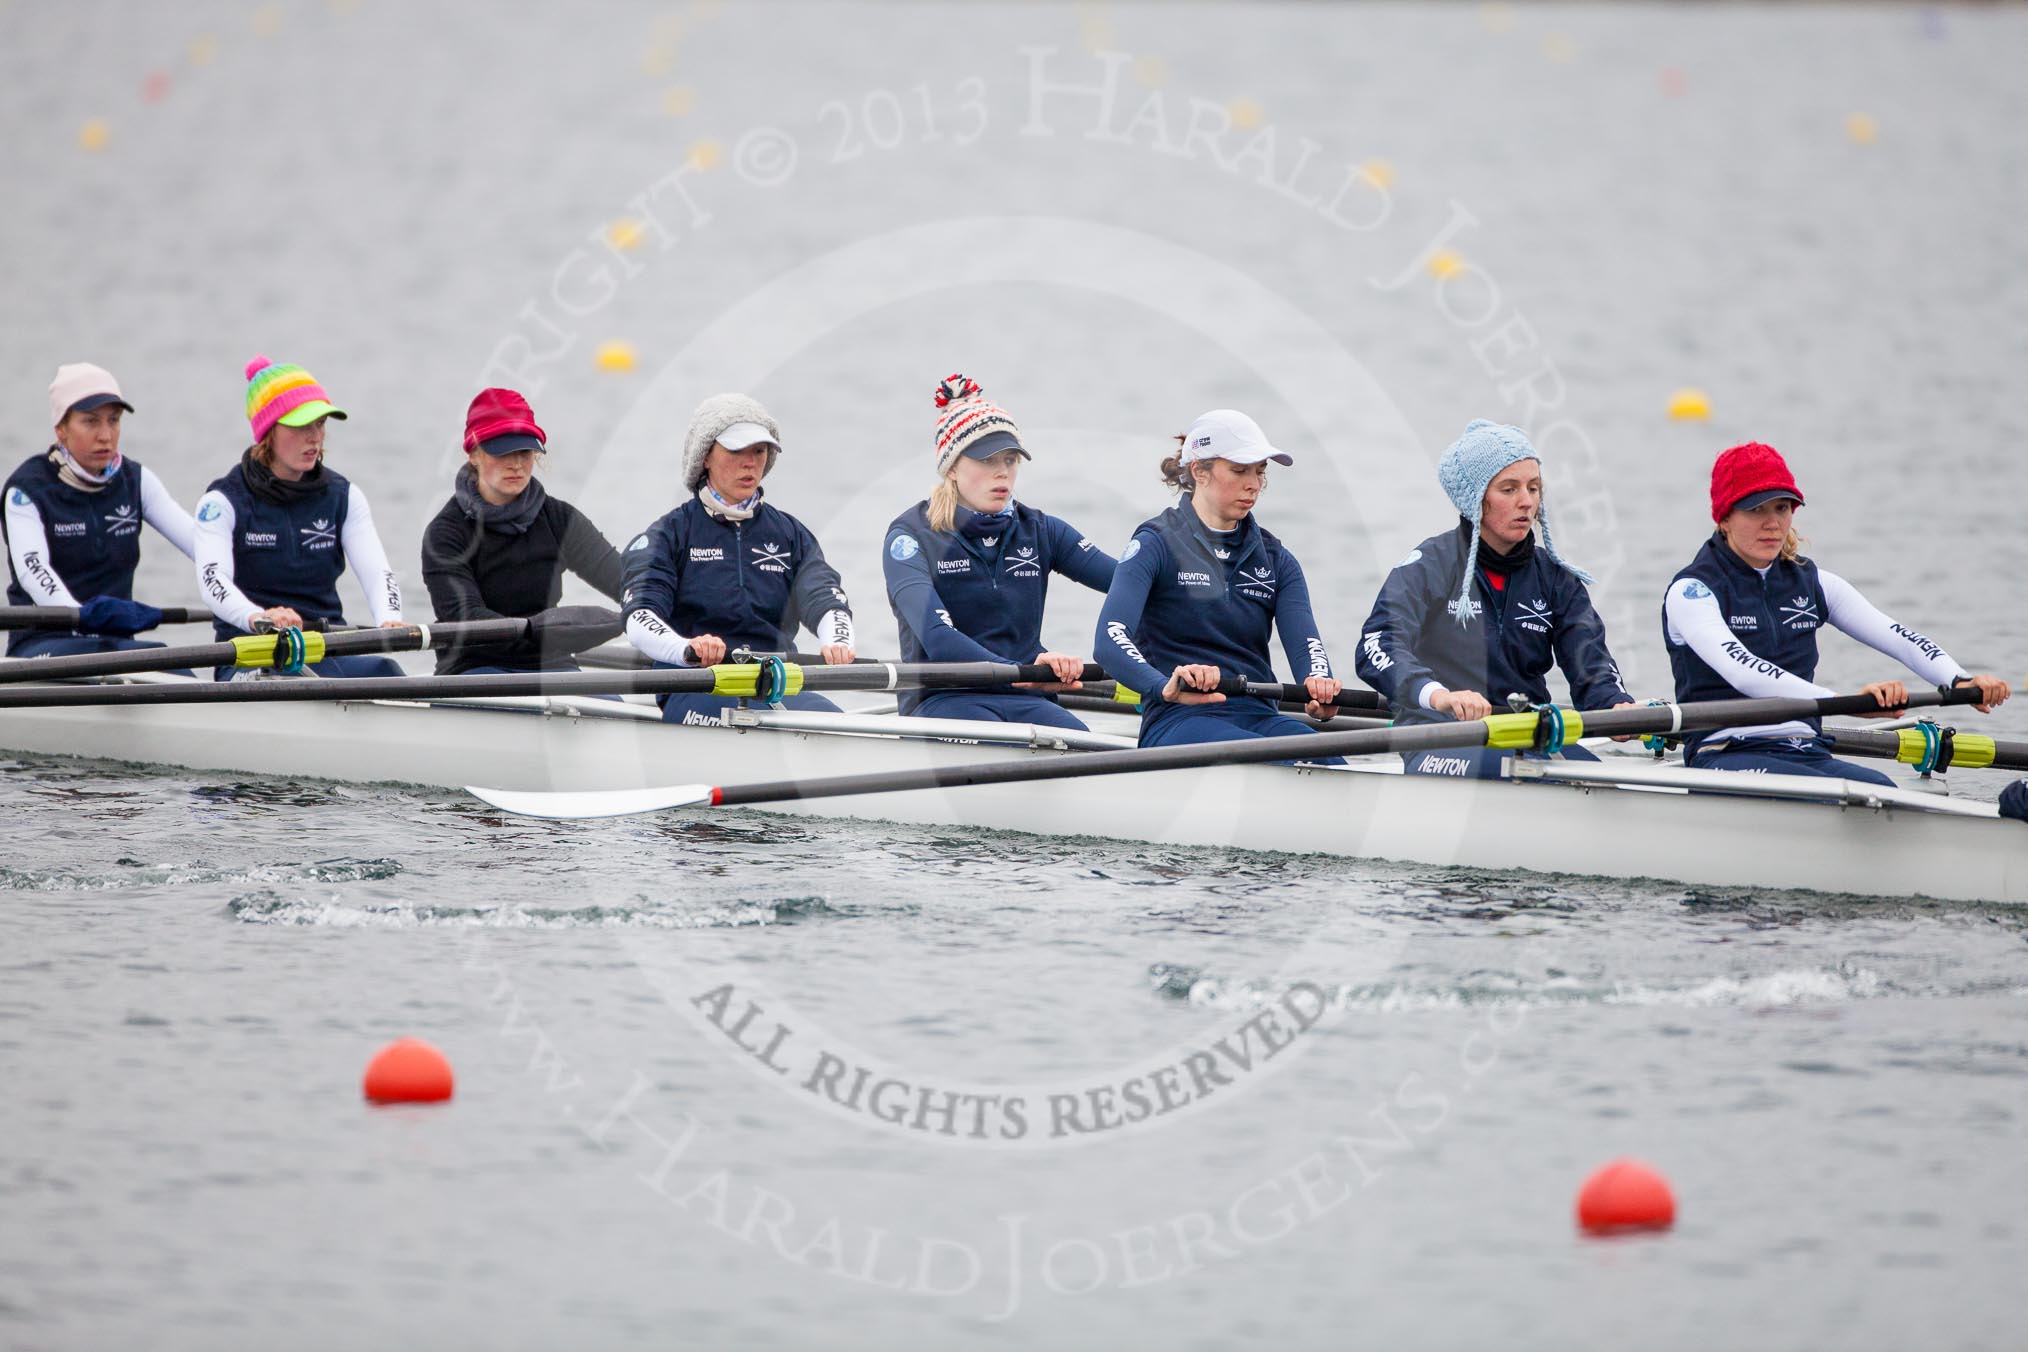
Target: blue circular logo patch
x=903, y=548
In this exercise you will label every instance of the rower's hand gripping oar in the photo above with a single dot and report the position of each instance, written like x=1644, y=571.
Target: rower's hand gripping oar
x=1514, y=731
x=284, y=649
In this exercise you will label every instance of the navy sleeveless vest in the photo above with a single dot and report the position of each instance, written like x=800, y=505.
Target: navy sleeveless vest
x=287, y=554
x=1775, y=618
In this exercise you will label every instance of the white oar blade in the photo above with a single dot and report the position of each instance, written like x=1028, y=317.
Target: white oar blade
x=593, y=803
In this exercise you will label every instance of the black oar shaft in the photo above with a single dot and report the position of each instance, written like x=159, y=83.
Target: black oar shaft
x=344, y=643
x=1406, y=740
x=614, y=656
x=67, y=617
x=736, y=680
x=733, y=681
x=1962, y=750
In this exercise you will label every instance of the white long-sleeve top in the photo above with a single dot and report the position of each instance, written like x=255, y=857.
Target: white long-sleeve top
x=1692, y=616
x=359, y=541
x=28, y=539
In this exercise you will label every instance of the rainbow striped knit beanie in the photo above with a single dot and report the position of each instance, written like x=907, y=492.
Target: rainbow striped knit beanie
x=283, y=394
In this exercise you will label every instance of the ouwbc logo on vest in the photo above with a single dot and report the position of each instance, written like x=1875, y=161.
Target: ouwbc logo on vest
x=1800, y=612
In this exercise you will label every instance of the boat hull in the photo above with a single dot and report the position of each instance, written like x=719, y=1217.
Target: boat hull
x=1703, y=839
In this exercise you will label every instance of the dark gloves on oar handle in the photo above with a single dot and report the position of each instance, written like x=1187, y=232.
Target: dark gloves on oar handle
x=117, y=616
x=561, y=632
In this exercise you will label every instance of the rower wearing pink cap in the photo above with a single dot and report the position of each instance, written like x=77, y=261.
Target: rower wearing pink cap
x=275, y=533
x=73, y=518
x=1742, y=619
x=501, y=546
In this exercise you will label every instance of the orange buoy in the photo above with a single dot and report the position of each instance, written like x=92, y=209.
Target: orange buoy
x=1625, y=1195
x=408, y=1070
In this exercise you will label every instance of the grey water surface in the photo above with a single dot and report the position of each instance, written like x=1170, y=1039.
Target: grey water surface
x=1031, y=1092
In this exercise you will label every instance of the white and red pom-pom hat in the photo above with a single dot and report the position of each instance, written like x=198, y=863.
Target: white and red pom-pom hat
x=971, y=425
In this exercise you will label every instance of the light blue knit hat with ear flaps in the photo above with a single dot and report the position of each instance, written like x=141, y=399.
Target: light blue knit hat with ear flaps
x=1471, y=464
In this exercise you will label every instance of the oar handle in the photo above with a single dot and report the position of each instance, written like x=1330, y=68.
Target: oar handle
x=67, y=617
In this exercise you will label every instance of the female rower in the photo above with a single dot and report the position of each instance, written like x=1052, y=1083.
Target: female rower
x=1482, y=611
x=500, y=547
x=74, y=515
x=968, y=568
x=726, y=570
x=1742, y=620
x=1198, y=591
x=275, y=533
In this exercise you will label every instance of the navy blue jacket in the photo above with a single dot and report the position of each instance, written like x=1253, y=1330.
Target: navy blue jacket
x=1544, y=615
x=749, y=582
x=287, y=553
x=1775, y=618
x=1176, y=602
x=94, y=538
x=976, y=593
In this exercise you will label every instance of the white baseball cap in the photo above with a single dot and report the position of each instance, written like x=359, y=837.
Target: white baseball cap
x=83, y=385
x=741, y=435
x=1228, y=434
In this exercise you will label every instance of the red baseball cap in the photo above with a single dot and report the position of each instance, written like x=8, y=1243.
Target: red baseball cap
x=1746, y=476
x=499, y=422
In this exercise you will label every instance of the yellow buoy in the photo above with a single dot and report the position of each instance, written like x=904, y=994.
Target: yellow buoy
x=1497, y=17
x=1443, y=263
x=626, y=233
x=1379, y=173
x=267, y=20
x=615, y=355
x=705, y=155
x=1689, y=405
x=1151, y=71
x=1246, y=114
x=1862, y=129
x=94, y=134
x=203, y=49
x=677, y=100
x=1559, y=48
x=657, y=61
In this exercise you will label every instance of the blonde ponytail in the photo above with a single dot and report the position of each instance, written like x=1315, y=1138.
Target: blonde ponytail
x=943, y=506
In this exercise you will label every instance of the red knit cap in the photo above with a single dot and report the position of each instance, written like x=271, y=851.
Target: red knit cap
x=1745, y=470
x=496, y=413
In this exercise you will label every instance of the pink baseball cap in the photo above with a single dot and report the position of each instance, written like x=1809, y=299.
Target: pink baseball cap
x=81, y=385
